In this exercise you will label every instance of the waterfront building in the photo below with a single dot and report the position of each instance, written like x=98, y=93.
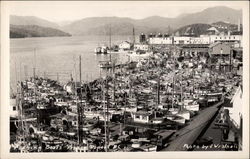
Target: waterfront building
x=226, y=38
x=196, y=49
x=235, y=40
x=160, y=40
x=13, y=108
x=125, y=45
x=144, y=47
x=182, y=40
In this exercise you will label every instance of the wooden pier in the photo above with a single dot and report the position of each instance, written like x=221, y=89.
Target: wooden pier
x=186, y=136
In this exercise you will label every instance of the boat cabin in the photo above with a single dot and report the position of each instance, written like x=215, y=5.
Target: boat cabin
x=142, y=116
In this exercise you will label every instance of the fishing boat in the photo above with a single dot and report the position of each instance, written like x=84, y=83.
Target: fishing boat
x=184, y=113
x=176, y=118
x=131, y=65
x=138, y=55
x=105, y=64
x=191, y=105
x=173, y=111
x=101, y=50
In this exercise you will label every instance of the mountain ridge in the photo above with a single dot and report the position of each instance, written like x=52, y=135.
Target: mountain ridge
x=152, y=24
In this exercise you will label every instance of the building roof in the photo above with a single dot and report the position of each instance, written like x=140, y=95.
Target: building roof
x=214, y=44
x=164, y=133
x=196, y=46
x=222, y=44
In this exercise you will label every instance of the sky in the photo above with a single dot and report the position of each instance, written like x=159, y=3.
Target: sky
x=58, y=11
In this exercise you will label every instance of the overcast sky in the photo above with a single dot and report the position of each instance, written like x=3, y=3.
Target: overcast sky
x=57, y=11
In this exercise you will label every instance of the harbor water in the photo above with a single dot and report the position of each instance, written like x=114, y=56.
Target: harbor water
x=58, y=57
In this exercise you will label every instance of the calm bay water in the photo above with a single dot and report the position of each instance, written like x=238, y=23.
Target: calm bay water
x=58, y=57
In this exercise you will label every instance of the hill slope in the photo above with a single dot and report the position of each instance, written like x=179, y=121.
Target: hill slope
x=22, y=31
x=193, y=29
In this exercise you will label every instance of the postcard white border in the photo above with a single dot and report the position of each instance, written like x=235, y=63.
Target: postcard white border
x=4, y=145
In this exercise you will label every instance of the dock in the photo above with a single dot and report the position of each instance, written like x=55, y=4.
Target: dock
x=187, y=135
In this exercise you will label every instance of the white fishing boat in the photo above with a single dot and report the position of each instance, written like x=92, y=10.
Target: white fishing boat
x=173, y=111
x=129, y=109
x=101, y=50
x=191, y=105
x=149, y=147
x=176, y=118
x=138, y=55
x=185, y=114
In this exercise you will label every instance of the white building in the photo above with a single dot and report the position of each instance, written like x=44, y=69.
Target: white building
x=200, y=40
x=226, y=38
x=125, y=45
x=160, y=40
x=143, y=47
x=182, y=40
x=13, y=108
x=203, y=39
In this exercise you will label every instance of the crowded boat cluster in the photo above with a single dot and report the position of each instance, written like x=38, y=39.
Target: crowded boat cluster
x=136, y=108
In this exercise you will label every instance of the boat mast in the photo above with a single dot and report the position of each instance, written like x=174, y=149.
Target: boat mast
x=107, y=124
x=80, y=104
x=173, y=85
x=105, y=114
x=34, y=67
x=110, y=37
x=158, y=89
x=181, y=95
x=20, y=114
x=78, y=121
x=133, y=37
x=158, y=92
x=114, y=81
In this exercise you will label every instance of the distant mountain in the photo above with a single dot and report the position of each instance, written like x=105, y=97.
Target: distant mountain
x=123, y=26
x=211, y=15
x=154, y=24
x=31, y=20
x=22, y=31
